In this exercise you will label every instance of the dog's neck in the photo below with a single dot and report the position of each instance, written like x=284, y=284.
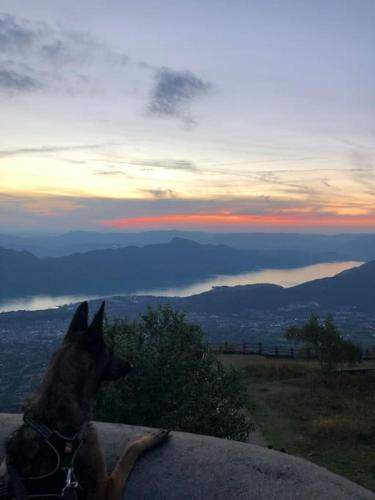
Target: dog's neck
x=62, y=402
x=63, y=414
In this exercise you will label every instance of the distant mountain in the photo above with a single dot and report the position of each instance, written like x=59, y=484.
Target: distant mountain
x=135, y=268
x=85, y=241
x=353, y=288
x=347, y=246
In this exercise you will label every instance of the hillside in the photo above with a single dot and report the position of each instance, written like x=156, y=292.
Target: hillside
x=134, y=268
x=352, y=288
x=328, y=421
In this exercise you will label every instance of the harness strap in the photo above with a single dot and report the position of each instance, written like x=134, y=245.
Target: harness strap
x=41, y=429
x=61, y=482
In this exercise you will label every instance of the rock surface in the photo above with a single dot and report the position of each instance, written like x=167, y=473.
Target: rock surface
x=200, y=467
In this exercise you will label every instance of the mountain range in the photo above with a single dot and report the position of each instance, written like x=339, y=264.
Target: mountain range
x=345, y=246
x=135, y=268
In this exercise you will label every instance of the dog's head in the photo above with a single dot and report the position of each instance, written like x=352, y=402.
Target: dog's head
x=97, y=358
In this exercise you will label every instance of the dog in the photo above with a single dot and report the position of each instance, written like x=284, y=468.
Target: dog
x=56, y=452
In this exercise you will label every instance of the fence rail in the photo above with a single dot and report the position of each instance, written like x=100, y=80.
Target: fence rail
x=273, y=351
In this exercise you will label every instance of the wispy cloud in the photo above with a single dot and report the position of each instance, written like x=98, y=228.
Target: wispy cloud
x=166, y=164
x=22, y=36
x=174, y=92
x=363, y=172
x=146, y=165
x=160, y=193
x=38, y=56
x=50, y=149
x=110, y=172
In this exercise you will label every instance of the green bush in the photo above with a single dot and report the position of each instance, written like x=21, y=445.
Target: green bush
x=176, y=383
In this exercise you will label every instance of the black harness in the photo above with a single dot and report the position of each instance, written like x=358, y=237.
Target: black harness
x=61, y=482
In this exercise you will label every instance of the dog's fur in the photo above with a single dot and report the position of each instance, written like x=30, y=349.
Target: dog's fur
x=64, y=403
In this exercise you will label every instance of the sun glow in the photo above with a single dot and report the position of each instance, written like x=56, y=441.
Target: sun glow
x=175, y=194
x=234, y=220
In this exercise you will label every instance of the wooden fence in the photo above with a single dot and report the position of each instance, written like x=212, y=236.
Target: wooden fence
x=272, y=351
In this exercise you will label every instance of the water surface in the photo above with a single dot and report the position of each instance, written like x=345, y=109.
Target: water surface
x=283, y=277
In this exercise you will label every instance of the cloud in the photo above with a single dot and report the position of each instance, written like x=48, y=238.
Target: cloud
x=167, y=210
x=363, y=172
x=76, y=162
x=15, y=35
x=36, y=56
x=51, y=44
x=165, y=164
x=110, y=172
x=84, y=44
x=48, y=149
x=325, y=183
x=55, y=51
x=174, y=92
x=14, y=81
x=160, y=193
x=59, y=59
x=362, y=160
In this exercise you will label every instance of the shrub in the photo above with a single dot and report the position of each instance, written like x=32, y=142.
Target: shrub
x=176, y=382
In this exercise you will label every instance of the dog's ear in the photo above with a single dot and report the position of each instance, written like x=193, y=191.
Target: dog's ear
x=79, y=321
x=94, y=337
x=96, y=325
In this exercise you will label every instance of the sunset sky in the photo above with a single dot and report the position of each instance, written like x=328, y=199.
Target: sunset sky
x=223, y=115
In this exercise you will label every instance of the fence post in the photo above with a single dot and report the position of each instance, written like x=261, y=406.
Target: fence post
x=308, y=353
x=291, y=352
x=260, y=349
x=243, y=348
x=367, y=354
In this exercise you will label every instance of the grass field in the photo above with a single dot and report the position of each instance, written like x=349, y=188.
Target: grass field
x=328, y=421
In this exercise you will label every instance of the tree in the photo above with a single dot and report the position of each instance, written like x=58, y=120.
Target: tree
x=332, y=349
x=176, y=382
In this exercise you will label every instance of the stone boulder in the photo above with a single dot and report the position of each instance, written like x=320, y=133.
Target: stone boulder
x=196, y=467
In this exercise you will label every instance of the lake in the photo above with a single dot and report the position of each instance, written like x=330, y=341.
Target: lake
x=283, y=277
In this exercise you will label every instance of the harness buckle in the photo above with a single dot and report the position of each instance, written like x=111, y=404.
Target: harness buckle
x=69, y=485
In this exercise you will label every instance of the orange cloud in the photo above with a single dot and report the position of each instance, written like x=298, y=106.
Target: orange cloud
x=227, y=219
